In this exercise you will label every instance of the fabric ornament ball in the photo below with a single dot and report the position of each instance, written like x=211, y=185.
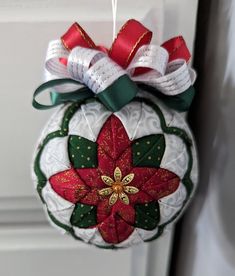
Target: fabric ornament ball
x=115, y=178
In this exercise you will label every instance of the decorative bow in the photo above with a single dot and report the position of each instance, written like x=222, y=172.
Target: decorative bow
x=77, y=69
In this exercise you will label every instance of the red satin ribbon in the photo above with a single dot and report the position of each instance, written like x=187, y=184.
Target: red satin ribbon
x=177, y=48
x=130, y=38
x=76, y=36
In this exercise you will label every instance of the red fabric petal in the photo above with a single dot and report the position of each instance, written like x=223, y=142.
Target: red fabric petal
x=69, y=185
x=124, y=230
x=161, y=184
x=113, y=137
x=115, y=230
x=126, y=212
x=106, y=163
x=140, y=198
x=103, y=210
x=142, y=175
x=91, y=198
x=124, y=162
x=91, y=177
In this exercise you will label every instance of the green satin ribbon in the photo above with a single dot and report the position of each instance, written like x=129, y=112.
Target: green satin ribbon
x=180, y=102
x=59, y=98
x=117, y=95
x=120, y=93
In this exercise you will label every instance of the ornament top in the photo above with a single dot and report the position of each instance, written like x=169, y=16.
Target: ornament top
x=77, y=69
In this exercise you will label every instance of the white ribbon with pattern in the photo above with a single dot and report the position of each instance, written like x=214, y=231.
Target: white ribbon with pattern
x=96, y=70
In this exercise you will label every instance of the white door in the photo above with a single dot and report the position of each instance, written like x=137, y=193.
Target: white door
x=28, y=245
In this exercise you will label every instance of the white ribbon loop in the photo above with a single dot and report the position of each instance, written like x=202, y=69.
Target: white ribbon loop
x=93, y=68
x=177, y=79
x=55, y=52
x=152, y=57
x=96, y=70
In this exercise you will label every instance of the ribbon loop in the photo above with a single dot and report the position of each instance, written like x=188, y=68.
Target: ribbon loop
x=93, y=68
x=59, y=98
x=177, y=48
x=55, y=52
x=76, y=36
x=177, y=79
x=125, y=45
x=80, y=61
x=151, y=57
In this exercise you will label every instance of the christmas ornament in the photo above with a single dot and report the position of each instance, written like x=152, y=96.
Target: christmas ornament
x=116, y=164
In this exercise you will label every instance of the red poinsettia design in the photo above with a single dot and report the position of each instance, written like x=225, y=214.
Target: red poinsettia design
x=115, y=186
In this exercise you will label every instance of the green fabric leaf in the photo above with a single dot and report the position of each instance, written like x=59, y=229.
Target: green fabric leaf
x=148, y=151
x=82, y=152
x=147, y=215
x=83, y=216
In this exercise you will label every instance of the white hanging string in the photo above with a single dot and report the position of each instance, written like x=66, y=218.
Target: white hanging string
x=114, y=11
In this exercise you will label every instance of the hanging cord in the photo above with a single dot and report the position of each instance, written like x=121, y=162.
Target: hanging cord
x=114, y=11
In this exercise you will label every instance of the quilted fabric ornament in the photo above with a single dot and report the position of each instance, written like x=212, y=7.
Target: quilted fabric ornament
x=116, y=164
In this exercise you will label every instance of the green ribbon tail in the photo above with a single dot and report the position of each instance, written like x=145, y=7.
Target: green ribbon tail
x=180, y=102
x=59, y=98
x=120, y=93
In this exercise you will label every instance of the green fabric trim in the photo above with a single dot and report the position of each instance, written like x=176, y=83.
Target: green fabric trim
x=187, y=181
x=82, y=152
x=67, y=228
x=147, y=215
x=148, y=151
x=41, y=178
x=180, y=102
x=83, y=216
x=58, y=223
x=118, y=94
